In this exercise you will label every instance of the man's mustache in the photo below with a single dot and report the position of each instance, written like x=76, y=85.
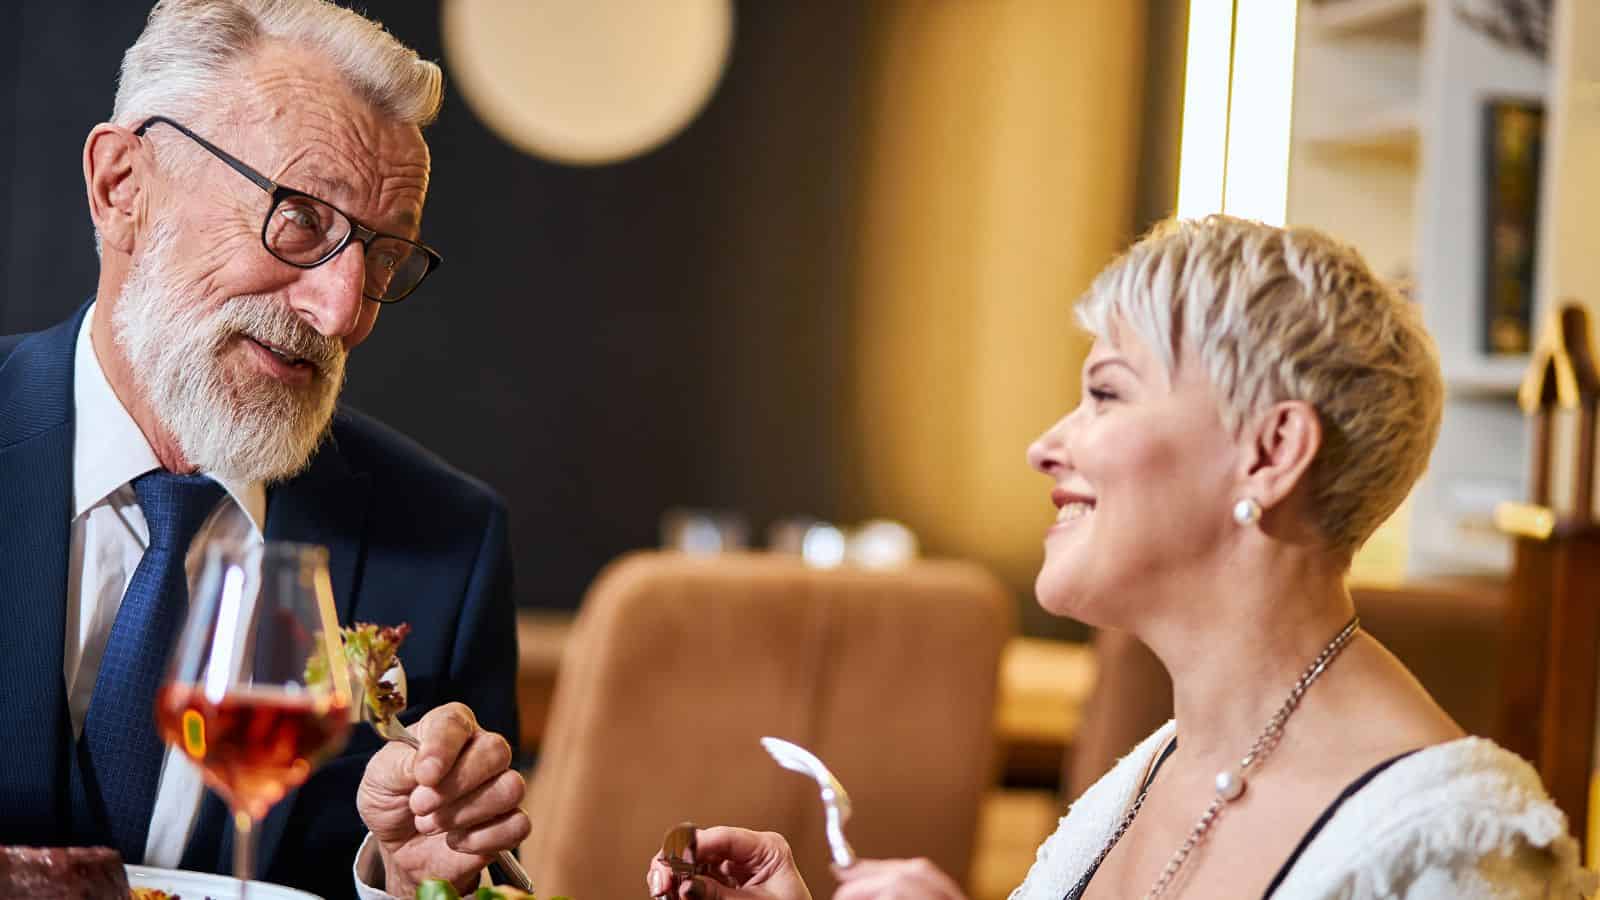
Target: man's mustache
x=270, y=321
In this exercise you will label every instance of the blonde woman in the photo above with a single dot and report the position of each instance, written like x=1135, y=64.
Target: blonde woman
x=1255, y=404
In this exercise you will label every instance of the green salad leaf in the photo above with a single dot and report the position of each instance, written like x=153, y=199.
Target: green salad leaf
x=369, y=651
x=439, y=889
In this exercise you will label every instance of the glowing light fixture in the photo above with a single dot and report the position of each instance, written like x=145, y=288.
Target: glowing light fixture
x=1237, y=100
x=587, y=81
x=1203, y=155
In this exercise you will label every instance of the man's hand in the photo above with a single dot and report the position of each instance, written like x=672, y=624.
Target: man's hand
x=745, y=865
x=444, y=809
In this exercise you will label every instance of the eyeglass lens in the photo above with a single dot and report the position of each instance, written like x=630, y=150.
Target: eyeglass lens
x=303, y=230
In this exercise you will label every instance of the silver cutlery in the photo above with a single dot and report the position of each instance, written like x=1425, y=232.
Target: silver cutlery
x=835, y=802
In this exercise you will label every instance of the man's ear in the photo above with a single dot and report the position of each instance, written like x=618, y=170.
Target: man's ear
x=1281, y=443
x=116, y=166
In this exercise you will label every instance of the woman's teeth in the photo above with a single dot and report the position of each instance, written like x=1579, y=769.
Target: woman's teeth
x=1074, y=510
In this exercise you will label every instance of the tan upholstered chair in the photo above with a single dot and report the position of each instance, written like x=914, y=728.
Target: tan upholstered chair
x=678, y=665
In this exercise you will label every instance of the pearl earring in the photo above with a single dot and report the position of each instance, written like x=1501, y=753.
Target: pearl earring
x=1247, y=512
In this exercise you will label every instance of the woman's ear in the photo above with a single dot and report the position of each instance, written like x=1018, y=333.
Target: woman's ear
x=115, y=166
x=1282, y=442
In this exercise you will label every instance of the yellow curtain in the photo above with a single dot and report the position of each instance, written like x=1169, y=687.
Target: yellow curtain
x=999, y=177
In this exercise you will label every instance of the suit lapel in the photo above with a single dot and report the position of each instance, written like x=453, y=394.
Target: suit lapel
x=326, y=505
x=36, y=428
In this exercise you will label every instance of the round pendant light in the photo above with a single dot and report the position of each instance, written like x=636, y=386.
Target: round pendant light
x=586, y=81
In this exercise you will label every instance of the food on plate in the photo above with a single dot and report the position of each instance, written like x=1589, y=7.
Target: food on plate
x=153, y=894
x=439, y=889
x=370, y=651
x=62, y=873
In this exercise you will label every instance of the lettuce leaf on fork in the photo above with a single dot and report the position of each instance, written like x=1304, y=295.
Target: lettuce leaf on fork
x=369, y=651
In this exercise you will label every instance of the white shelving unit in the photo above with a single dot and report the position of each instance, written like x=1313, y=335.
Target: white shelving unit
x=1395, y=19
x=1391, y=132
x=1389, y=155
x=1498, y=377
x=1482, y=453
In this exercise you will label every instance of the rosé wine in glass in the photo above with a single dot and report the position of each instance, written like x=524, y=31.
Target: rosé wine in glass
x=252, y=693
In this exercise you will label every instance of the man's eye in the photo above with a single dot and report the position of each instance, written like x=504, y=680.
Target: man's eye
x=1101, y=394
x=303, y=218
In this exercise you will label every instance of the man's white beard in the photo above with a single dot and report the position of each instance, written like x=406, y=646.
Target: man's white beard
x=231, y=420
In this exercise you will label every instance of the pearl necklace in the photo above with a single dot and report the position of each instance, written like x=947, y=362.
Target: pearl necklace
x=1230, y=784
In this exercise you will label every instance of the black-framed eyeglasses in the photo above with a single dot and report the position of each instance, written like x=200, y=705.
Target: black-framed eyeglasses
x=306, y=232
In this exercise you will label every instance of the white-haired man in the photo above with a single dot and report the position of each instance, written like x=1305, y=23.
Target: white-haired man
x=257, y=198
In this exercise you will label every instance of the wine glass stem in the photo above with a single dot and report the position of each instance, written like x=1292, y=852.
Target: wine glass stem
x=244, y=851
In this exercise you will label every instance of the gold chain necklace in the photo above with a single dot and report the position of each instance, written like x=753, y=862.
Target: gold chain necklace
x=1230, y=784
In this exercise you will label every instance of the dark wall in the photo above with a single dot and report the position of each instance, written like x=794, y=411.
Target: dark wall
x=601, y=343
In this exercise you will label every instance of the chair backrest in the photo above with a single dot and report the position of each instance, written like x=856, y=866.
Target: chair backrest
x=678, y=666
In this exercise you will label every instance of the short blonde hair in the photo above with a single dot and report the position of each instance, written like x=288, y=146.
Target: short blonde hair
x=1278, y=314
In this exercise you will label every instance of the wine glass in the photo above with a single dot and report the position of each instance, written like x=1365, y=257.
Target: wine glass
x=257, y=693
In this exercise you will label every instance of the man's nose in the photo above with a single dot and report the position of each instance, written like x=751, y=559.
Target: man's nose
x=329, y=297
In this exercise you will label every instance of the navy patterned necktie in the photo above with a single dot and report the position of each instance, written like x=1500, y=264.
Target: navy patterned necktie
x=123, y=752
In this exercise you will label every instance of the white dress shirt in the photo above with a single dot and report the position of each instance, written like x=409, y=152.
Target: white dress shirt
x=109, y=536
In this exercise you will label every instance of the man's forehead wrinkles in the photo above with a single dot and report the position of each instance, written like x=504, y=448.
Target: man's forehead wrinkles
x=327, y=142
x=298, y=108
x=311, y=168
x=373, y=198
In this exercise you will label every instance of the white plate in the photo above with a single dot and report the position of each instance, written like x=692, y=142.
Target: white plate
x=200, y=886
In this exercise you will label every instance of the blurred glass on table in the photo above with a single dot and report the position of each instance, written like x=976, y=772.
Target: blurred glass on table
x=875, y=544
x=818, y=543
x=703, y=532
x=882, y=544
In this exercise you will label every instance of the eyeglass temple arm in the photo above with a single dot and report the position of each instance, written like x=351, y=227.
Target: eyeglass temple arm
x=256, y=178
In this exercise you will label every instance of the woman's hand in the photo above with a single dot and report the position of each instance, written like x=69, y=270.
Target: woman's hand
x=895, y=879
x=742, y=865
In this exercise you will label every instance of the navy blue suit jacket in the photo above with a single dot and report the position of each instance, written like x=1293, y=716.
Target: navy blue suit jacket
x=409, y=540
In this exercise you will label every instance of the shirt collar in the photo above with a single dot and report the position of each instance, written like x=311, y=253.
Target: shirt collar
x=109, y=450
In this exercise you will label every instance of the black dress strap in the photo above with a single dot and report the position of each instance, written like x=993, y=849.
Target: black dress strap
x=1327, y=815
x=1148, y=779
x=1316, y=827
x=1076, y=892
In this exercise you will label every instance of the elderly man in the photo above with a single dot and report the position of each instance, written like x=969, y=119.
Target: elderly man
x=256, y=198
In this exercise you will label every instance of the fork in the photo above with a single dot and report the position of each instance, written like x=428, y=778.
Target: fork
x=391, y=729
x=835, y=802
x=678, y=849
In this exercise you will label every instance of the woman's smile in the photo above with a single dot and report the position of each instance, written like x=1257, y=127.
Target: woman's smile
x=1070, y=507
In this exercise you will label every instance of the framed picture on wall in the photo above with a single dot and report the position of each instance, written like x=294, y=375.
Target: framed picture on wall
x=1513, y=143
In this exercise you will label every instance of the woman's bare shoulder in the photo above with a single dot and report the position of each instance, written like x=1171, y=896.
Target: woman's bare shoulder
x=1374, y=711
x=1391, y=697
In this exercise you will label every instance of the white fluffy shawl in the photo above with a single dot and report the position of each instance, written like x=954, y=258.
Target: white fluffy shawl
x=1463, y=820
